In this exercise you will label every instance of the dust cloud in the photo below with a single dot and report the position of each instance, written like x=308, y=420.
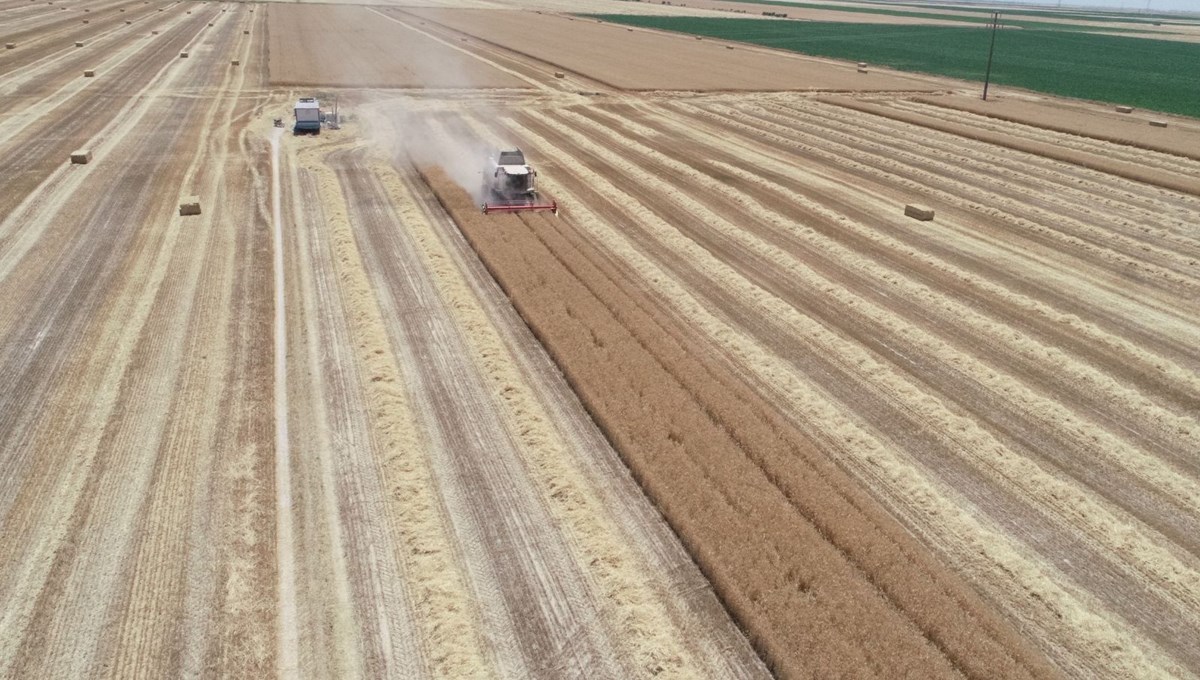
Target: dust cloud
x=414, y=129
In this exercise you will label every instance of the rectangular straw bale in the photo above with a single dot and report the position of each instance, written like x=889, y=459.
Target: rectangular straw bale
x=918, y=212
x=81, y=157
x=189, y=205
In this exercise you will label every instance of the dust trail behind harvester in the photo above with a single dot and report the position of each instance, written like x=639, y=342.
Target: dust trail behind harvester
x=412, y=129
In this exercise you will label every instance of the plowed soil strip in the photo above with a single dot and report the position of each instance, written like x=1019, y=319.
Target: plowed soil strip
x=825, y=582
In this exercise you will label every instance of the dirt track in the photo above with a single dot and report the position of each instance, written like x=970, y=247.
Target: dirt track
x=1017, y=382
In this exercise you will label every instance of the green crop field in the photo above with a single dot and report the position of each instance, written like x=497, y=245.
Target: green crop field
x=972, y=18
x=1151, y=74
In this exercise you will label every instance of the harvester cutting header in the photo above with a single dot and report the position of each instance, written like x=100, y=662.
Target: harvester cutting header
x=510, y=184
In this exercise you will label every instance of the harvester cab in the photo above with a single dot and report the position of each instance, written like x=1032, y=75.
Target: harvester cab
x=510, y=184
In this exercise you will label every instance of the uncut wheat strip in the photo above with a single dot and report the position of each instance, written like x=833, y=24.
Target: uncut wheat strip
x=810, y=177
x=632, y=610
x=836, y=503
x=1033, y=262
x=1064, y=227
x=1093, y=644
x=1098, y=203
x=793, y=631
x=1106, y=525
x=1133, y=154
x=442, y=597
x=1152, y=417
x=763, y=619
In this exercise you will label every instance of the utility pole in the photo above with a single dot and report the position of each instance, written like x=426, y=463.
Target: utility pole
x=988, y=76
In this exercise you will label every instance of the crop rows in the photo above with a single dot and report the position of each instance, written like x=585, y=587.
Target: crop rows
x=1032, y=426
x=823, y=580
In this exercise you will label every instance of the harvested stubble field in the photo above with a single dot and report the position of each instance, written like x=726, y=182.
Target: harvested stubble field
x=728, y=407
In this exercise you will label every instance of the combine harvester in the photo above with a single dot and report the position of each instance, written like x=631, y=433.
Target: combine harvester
x=510, y=185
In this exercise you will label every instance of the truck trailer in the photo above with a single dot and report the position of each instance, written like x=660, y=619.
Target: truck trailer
x=308, y=116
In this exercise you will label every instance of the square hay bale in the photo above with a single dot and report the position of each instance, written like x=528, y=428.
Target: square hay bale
x=1124, y=109
x=89, y=73
x=245, y=32
x=862, y=70
x=153, y=32
x=85, y=21
x=81, y=157
x=10, y=46
x=918, y=212
x=236, y=62
x=183, y=55
x=189, y=205
x=210, y=25
x=862, y=64
x=559, y=74
x=1158, y=123
x=128, y=22
x=78, y=43
x=729, y=47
